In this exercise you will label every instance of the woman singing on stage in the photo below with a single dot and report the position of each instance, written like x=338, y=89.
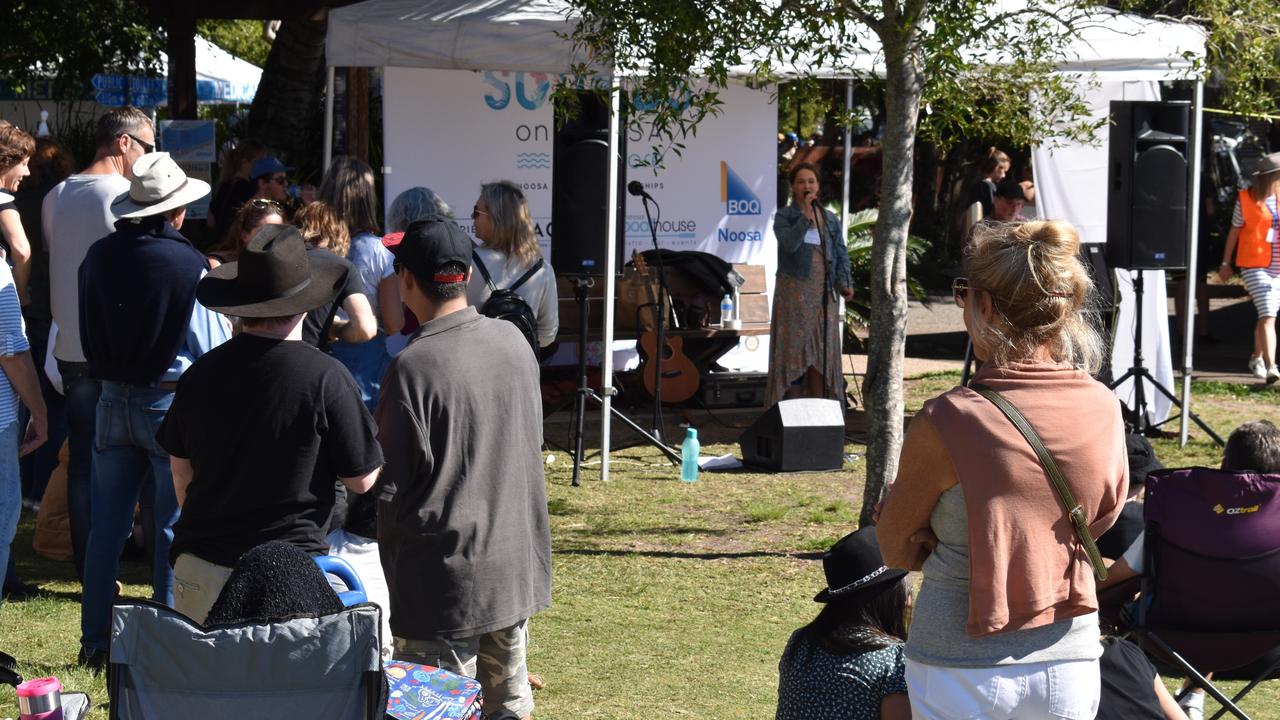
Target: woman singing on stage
x=813, y=266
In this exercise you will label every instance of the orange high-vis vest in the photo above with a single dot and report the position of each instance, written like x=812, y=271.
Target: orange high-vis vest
x=1252, y=248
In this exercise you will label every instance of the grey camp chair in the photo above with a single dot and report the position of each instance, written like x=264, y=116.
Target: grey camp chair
x=164, y=665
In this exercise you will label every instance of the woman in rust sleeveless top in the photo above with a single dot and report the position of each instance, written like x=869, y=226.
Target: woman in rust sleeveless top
x=1006, y=622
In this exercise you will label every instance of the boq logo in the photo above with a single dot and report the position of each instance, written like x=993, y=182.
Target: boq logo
x=737, y=196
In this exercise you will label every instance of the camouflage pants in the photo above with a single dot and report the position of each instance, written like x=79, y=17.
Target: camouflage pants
x=496, y=659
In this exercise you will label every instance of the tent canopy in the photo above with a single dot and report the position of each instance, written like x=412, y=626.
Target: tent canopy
x=530, y=35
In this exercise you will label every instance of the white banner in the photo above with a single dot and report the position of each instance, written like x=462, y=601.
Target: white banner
x=452, y=130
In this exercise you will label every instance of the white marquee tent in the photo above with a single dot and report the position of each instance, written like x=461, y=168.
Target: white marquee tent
x=1113, y=54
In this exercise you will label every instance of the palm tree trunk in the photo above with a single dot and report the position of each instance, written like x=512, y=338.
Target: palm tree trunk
x=288, y=105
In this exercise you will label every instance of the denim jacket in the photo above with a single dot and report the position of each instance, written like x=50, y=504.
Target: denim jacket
x=790, y=226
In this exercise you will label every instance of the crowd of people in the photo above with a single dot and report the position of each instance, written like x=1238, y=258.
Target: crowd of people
x=312, y=381
x=230, y=391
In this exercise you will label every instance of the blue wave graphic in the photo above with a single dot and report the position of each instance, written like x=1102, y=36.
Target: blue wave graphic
x=527, y=161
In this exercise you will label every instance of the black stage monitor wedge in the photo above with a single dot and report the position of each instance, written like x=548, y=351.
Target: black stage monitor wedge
x=580, y=190
x=801, y=434
x=1148, y=176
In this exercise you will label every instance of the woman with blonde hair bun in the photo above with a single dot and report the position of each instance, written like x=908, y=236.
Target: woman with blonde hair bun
x=1006, y=622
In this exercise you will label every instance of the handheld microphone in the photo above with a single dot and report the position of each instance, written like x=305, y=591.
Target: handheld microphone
x=635, y=187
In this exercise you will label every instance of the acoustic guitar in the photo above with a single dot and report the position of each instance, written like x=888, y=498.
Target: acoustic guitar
x=680, y=377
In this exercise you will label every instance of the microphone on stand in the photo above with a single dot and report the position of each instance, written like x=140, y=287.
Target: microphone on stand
x=635, y=187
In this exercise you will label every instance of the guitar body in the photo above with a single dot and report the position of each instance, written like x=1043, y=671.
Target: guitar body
x=679, y=375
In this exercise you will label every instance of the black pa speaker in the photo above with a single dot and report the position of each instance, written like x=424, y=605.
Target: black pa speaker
x=1148, y=179
x=801, y=434
x=580, y=189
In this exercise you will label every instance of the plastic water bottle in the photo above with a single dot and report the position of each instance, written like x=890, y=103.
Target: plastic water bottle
x=689, y=457
x=726, y=311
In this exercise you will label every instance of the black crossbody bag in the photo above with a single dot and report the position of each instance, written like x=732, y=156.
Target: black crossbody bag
x=1075, y=513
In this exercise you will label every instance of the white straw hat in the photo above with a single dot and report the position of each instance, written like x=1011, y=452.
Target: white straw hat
x=158, y=186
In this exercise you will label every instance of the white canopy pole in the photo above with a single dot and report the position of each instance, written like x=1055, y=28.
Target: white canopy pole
x=610, y=280
x=848, y=156
x=328, y=118
x=1193, y=270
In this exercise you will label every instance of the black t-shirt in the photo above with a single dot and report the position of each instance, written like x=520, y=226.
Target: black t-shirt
x=1128, y=683
x=315, y=326
x=268, y=426
x=1128, y=527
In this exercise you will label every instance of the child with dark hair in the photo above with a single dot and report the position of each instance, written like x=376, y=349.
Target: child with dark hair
x=848, y=662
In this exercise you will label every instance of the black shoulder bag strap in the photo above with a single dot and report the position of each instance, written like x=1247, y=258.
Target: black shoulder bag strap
x=1074, y=512
x=527, y=274
x=484, y=272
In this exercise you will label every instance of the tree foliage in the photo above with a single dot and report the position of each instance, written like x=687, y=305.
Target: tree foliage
x=242, y=38
x=68, y=41
x=1242, y=47
x=949, y=67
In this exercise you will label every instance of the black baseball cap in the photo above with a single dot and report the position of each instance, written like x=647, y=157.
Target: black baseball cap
x=429, y=245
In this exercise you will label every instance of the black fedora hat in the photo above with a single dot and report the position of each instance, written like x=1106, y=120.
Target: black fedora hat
x=854, y=565
x=274, y=277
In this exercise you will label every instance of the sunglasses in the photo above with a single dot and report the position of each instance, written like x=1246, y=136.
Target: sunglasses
x=146, y=146
x=477, y=212
x=280, y=179
x=960, y=290
x=263, y=204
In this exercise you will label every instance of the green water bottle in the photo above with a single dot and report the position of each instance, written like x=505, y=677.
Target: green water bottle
x=689, y=457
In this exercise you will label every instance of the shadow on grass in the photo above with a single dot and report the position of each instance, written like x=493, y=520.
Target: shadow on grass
x=681, y=555
x=646, y=531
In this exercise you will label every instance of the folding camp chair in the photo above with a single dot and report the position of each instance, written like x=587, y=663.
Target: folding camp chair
x=1211, y=577
x=164, y=665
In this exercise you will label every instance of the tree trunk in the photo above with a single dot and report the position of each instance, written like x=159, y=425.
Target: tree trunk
x=882, y=386
x=288, y=105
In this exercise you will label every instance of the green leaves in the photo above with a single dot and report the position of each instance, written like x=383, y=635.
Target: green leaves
x=68, y=41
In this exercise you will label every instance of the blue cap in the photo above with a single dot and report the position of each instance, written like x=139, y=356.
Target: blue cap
x=267, y=165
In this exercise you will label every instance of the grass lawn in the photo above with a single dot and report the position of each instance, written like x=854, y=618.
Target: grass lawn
x=669, y=599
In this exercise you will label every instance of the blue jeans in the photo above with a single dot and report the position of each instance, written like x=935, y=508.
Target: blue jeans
x=82, y=408
x=367, y=362
x=10, y=490
x=127, y=462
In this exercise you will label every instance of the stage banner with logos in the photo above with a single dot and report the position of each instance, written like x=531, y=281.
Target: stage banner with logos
x=451, y=130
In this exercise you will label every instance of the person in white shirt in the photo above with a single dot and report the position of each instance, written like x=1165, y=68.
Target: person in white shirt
x=510, y=248
x=76, y=214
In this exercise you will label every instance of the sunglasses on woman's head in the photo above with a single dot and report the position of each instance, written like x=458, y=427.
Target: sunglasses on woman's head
x=263, y=203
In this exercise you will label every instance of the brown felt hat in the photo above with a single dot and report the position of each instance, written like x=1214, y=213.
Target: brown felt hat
x=274, y=277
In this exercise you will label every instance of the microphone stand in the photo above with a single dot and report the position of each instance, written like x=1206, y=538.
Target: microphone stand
x=820, y=223
x=663, y=293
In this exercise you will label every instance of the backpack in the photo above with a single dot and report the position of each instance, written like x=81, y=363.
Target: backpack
x=506, y=304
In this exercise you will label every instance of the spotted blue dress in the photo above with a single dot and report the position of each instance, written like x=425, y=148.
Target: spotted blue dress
x=814, y=684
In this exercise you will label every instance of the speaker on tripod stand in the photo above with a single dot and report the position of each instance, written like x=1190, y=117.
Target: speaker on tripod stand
x=1149, y=181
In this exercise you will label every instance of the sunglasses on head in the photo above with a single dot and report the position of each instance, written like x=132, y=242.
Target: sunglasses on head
x=263, y=204
x=146, y=146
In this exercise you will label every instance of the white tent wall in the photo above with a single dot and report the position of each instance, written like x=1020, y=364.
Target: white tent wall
x=1071, y=185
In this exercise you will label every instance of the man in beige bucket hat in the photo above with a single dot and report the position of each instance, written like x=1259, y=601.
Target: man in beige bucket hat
x=141, y=328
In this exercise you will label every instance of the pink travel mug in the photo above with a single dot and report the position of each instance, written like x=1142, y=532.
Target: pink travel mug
x=40, y=699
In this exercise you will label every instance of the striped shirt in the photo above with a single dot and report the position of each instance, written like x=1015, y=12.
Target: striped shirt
x=13, y=341
x=1237, y=220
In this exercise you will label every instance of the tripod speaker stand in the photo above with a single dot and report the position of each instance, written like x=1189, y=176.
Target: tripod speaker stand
x=585, y=392
x=1139, y=373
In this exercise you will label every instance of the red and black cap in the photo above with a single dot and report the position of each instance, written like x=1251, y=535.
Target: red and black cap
x=429, y=245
